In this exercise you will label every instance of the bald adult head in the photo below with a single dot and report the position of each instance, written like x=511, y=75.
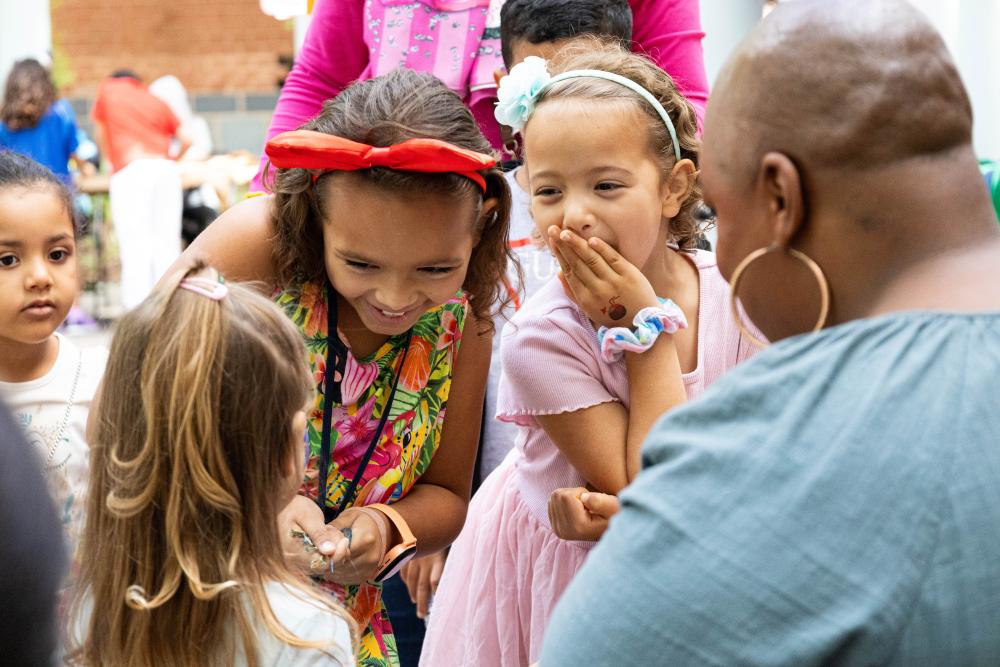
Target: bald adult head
x=840, y=130
x=847, y=84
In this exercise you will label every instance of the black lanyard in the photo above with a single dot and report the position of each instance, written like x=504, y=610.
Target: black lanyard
x=336, y=349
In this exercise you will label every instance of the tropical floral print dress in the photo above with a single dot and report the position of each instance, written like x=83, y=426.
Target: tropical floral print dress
x=410, y=438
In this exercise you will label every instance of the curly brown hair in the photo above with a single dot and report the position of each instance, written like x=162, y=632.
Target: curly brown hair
x=27, y=96
x=590, y=52
x=384, y=111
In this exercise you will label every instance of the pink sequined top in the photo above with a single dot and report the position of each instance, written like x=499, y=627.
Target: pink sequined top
x=552, y=365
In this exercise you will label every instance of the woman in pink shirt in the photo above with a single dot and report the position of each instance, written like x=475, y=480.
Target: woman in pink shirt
x=459, y=42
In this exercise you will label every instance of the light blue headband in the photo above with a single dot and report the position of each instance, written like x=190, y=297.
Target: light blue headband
x=520, y=89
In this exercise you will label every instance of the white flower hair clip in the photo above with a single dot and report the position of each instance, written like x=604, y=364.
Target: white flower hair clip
x=519, y=90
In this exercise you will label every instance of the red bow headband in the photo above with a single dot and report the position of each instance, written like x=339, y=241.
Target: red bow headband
x=305, y=149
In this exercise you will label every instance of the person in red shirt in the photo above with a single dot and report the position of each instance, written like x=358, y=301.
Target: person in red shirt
x=134, y=129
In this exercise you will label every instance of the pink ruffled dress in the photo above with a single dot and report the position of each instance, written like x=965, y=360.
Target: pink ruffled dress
x=507, y=570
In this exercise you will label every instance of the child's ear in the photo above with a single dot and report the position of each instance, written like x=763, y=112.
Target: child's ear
x=289, y=463
x=491, y=208
x=678, y=185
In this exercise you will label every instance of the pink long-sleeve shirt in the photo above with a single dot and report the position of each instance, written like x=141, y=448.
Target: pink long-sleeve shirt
x=350, y=40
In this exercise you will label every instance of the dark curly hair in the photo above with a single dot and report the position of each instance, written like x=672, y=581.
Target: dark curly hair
x=540, y=21
x=588, y=52
x=20, y=171
x=27, y=96
x=384, y=111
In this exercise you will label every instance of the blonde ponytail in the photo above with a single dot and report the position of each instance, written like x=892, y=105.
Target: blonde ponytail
x=193, y=424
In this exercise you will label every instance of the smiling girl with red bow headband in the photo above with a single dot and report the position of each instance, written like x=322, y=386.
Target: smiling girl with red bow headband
x=385, y=242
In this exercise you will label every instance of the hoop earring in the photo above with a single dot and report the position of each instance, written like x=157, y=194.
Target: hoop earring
x=824, y=289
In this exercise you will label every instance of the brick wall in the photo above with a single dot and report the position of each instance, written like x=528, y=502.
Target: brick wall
x=210, y=45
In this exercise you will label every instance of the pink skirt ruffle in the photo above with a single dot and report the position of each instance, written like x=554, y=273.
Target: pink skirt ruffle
x=503, y=578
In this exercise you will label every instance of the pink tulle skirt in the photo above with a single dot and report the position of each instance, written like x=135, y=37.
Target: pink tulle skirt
x=503, y=578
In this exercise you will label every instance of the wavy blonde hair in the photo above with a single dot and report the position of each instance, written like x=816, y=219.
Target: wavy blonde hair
x=193, y=426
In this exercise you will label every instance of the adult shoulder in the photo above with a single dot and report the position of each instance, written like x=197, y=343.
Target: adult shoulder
x=786, y=515
x=859, y=419
x=669, y=31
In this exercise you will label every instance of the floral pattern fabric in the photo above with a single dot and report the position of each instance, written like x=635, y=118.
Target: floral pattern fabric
x=410, y=438
x=458, y=41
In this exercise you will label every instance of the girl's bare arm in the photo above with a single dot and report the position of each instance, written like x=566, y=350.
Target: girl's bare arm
x=435, y=508
x=604, y=441
x=238, y=243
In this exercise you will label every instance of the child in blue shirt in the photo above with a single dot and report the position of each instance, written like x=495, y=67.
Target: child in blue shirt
x=34, y=123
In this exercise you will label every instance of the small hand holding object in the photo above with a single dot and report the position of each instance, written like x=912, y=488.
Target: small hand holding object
x=306, y=540
x=370, y=535
x=608, y=288
x=579, y=514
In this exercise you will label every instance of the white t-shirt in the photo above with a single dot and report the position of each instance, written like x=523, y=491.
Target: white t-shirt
x=303, y=617
x=306, y=621
x=53, y=411
x=538, y=266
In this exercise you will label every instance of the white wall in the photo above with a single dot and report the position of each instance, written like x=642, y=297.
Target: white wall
x=25, y=31
x=301, y=27
x=725, y=22
x=970, y=29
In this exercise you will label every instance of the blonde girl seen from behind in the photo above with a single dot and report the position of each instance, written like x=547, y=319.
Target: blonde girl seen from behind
x=196, y=445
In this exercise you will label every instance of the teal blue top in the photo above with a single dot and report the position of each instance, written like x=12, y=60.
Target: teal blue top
x=835, y=500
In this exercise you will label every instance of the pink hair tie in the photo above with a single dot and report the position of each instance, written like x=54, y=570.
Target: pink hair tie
x=215, y=290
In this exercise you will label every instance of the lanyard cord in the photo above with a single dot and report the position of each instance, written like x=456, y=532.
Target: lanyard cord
x=332, y=394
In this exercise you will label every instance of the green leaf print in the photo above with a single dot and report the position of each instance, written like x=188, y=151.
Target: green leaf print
x=403, y=402
x=432, y=401
x=316, y=346
x=428, y=327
